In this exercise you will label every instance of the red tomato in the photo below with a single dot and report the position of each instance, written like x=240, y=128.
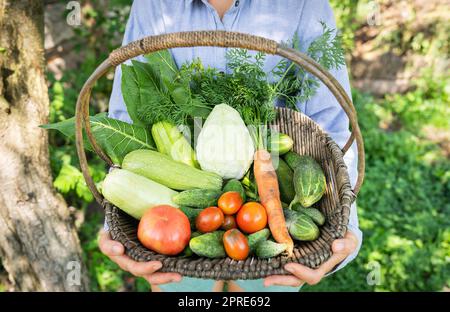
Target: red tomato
x=209, y=219
x=164, y=229
x=252, y=217
x=229, y=223
x=236, y=244
x=230, y=202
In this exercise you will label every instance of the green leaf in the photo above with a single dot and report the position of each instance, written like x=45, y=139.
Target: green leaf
x=131, y=93
x=115, y=137
x=163, y=61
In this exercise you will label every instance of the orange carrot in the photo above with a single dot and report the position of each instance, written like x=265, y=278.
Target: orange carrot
x=269, y=194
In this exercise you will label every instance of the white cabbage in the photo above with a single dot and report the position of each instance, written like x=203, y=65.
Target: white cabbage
x=224, y=145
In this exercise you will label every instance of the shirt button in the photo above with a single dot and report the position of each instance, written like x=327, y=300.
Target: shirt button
x=236, y=3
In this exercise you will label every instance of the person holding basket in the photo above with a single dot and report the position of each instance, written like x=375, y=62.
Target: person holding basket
x=277, y=20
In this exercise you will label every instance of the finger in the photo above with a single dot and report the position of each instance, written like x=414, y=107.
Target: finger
x=162, y=278
x=108, y=246
x=331, y=263
x=137, y=268
x=342, y=248
x=309, y=276
x=345, y=245
x=282, y=280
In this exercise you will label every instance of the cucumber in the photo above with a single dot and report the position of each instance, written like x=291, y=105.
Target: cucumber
x=208, y=245
x=257, y=237
x=234, y=185
x=314, y=214
x=309, y=181
x=279, y=143
x=197, y=198
x=269, y=249
x=292, y=159
x=187, y=252
x=300, y=226
x=191, y=213
x=285, y=181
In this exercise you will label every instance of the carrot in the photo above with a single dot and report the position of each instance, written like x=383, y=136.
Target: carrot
x=269, y=194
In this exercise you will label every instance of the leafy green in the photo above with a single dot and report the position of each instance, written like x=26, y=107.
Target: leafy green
x=163, y=61
x=295, y=85
x=115, y=137
x=156, y=91
x=131, y=93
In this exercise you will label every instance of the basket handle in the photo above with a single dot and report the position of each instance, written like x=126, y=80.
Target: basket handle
x=206, y=38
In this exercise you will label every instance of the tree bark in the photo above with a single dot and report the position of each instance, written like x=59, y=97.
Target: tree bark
x=39, y=246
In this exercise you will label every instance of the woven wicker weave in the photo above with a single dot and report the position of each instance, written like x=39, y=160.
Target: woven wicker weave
x=309, y=139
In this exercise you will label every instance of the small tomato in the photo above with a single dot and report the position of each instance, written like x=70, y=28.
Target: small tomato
x=236, y=244
x=230, y=202
x=229, y=223
x=209, y=219
x=252, y=217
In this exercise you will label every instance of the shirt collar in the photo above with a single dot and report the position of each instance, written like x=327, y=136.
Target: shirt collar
x=234, y=4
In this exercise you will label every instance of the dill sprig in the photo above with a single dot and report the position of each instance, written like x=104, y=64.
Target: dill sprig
x=295, y=85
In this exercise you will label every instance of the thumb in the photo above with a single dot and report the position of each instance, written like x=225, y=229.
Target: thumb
x=344, y=246
x=108, y=246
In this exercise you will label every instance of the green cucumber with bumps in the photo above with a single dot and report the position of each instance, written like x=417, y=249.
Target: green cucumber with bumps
x=309, y=179
x=208, y=245
x=197, y=198
x=300, y=226
x=314, y=214
x=292, y=159
x=255, y=238
x=234, y=185
x=187, y=252
x=269, y=249
x=285, y=177
x=191, y=213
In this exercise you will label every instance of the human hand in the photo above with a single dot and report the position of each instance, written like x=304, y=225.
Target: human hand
x=341, y=248
x=116, y=252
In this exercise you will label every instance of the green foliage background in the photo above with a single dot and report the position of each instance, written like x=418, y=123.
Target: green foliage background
x=403, y=206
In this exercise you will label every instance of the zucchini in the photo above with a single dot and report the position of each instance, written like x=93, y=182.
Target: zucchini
x=162, y=169
x=191, y=213
x=234, y=185
x=255, y=238
x=269, y=249
x=133, y=193
x=208, y=245
x=285, y=181
x=171, y=142
x=197, y=198
x=300, y=226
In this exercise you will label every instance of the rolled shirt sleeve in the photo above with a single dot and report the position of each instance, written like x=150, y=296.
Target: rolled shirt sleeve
x=324, y=109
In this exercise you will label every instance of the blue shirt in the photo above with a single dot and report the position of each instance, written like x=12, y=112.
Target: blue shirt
x=273, y=19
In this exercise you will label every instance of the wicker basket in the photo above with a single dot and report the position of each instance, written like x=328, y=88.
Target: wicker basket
x=309, y=139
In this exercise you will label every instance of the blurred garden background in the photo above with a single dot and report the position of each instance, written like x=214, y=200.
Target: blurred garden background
x=397, y=53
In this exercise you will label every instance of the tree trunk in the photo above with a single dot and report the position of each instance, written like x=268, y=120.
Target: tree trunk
x=39, y=246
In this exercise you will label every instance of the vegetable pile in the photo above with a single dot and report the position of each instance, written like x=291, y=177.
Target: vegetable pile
x=240, y=190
